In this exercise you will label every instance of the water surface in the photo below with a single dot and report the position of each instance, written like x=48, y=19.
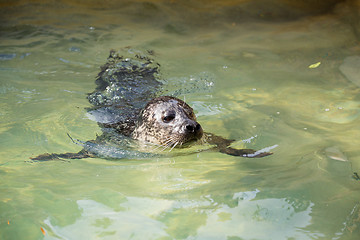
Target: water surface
x=281, y=73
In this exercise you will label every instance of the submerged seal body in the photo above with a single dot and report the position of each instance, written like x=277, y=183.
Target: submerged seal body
x=128, y=101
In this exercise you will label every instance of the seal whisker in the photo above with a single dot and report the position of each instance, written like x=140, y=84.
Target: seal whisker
x=156, y=148
x=171, y=144
x=176, y=143
x=168, y=140
x=166, y=147
x=167, y=144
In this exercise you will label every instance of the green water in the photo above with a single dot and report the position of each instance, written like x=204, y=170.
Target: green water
x=255, y=59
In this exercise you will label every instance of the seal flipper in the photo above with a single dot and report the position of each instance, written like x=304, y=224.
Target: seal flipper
x=250, y=153
x=222, y=144
x=54, y=156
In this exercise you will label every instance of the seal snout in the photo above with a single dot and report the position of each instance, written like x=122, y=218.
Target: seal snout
x=193, y=127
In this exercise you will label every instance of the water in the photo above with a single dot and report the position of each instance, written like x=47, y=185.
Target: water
x=256, y=74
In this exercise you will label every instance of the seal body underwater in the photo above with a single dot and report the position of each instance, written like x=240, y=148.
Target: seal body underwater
x=128, y=102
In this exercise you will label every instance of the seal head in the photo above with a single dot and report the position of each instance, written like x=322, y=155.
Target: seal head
x=167, y=121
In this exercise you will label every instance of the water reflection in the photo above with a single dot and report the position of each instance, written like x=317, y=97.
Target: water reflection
x=151, y=218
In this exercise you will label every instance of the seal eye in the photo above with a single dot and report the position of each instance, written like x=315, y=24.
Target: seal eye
x=168, y=118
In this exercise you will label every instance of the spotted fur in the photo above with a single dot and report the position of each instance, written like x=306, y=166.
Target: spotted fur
x=152, y=127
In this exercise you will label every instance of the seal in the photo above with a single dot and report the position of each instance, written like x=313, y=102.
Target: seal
x=128, y=102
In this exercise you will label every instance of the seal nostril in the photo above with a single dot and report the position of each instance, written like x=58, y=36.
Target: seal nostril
x=197, y=127
x=190, y=128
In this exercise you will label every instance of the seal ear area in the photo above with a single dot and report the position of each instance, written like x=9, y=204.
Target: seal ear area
x=186, y=108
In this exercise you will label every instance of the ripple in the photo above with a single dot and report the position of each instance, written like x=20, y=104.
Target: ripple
x=7, y=56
